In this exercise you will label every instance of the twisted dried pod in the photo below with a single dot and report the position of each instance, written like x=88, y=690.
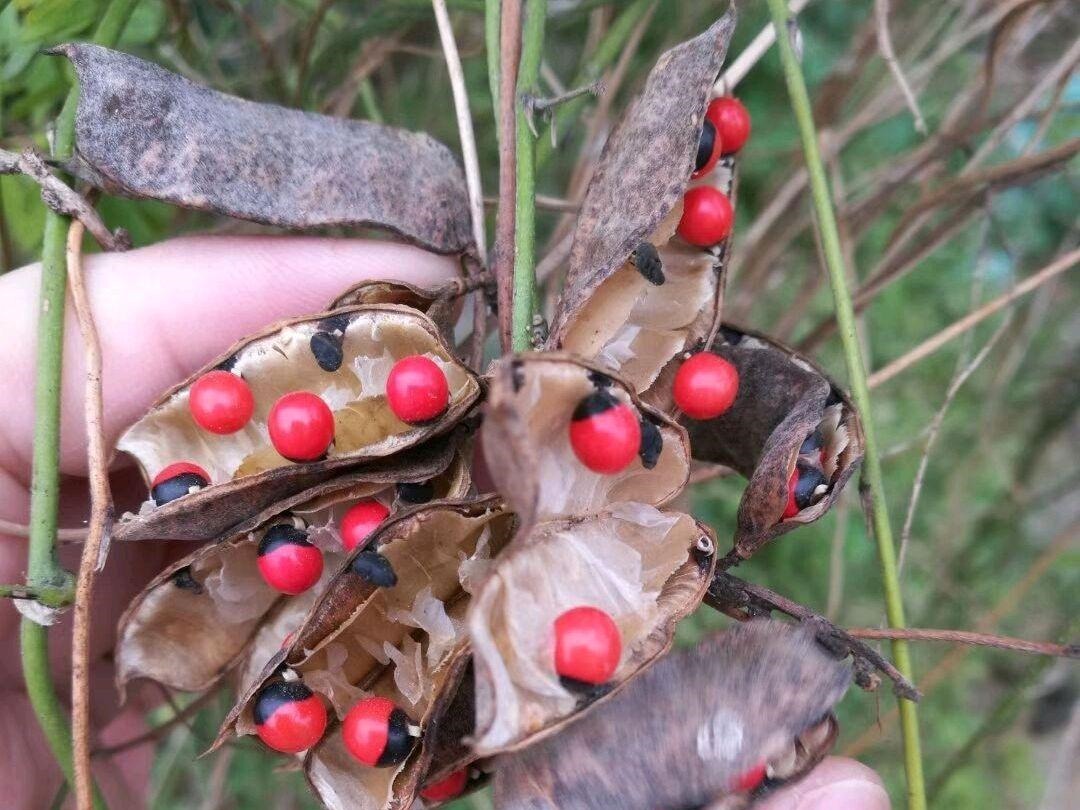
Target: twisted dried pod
x=211, y=612
x=787, y=413
x=344, y=356
x=718, y=726
x=637, y=295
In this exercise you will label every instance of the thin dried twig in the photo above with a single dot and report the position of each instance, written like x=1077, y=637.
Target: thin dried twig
x=545, y=201
x=502, y=259
x=96, y=545
x=61, y=198
x=179, y=717
x=752, y=54
x=885, y=45
x=970, y=638
x=13, y=529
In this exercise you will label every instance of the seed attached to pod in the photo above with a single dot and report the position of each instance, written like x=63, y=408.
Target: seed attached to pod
x=750, y=779
x=360, y=521
x=587, y=646
x=416, y=389
x=289, y=717
x=326, y=348
x=706, y=218
x=803, y=485
x=708, y=150
x=417, y=492
x=652, y=444
x=377, y=733
x=287, y=561
x=221, y=402
x=176, y=481
x=604, y=433
x=705, y=386
x=732, y=122
x=373, y=567
x=448, y=788
x=301, y=426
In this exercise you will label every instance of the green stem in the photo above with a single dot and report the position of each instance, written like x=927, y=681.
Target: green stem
x=532, y=45
x=492, y=26
x=43, y=568
x=607, y=51
x=48, y=596
x=845, y=318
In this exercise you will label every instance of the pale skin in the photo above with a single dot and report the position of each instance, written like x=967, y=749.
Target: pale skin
x=163, y=311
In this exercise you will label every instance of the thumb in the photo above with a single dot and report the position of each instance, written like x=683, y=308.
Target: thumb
x=835, y=784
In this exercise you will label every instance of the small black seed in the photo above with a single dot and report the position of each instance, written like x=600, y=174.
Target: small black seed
x=183, y=580
x=833, y=398
x=705, y=145
x=327, y=349
x=586, y=692
x=731, y=337
x=335, y=323
x=228, y=364
x=652, y=443
x=399, y=743
x=594, y=403
x=647, y=260
x=600, y=380
x=373, y=567
x=282, y=534
x=177, y=487
x=812, y=442
x=275, y=695
x=517, y=375
x=418, y=492
x=810, y=478
x=702, y=558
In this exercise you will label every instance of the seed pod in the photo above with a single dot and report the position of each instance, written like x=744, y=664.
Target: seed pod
x=635, y=295
x=783, y=398
x=527, y=441
x=247, y=474
x=440, y=304
x=692, y=730
x=211, y=611
x=645, y=568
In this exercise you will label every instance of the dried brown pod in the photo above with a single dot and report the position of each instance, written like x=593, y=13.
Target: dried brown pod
x=687, y=730
x=646, y=568
x=144, y=132
x=787, y=411
x=635, y=294
x=246, y=473
x=530, y=404
x=442, y=304
x=211, y=612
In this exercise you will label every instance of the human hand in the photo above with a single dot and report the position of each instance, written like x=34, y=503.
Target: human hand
x=162, y=312
x=836, y=784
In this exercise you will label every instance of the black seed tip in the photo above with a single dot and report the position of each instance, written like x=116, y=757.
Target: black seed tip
x=647, y=260
x=812, y=442
x=586, y=692
x=373, y=567
x=275, y=695
x=652, y=443
x=810, y=478
x=517, y=375
x=282, y=534
x=399, y=743
x=327, y=350
x=731, y=337
x=335, y=323
x=228, y=364
x=183, y=580
x=177, y=487
x=834, y=398
x=705, y=145
x=600, y=379
x=595, y=403
x=418, y=492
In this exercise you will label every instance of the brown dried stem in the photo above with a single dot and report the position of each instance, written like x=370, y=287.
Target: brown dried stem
x=502, y=259
x=970, y=638
x=10, y=527
x=885, y=45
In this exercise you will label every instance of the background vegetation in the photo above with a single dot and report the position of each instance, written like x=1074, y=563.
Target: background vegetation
x=991, y=544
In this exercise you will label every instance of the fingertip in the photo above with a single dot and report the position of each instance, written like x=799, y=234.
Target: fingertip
x=837, y=783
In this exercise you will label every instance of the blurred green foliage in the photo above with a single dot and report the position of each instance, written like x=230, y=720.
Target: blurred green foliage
x=999, y=481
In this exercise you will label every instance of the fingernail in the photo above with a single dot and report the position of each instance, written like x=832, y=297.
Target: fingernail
x=849, y=794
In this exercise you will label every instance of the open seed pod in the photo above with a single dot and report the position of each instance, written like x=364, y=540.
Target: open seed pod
x=642, y=567
x=637, y=294
x=717, y=726
x=144, y=132
x=212, y=611
x=404, y=641
x=532, y=403
x=787, y=413
x=440, y=303
x=344, y=357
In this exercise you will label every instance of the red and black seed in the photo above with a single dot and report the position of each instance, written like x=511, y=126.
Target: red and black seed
x=177, y=487
x=812, y=443
x=810, y=478
x=731, y=337
x=399, y=743
x=275, y=695
x=373, y=567
x=595, y=403
x=652, y=443
x=706, y=145
x=282, y=534
x=600, y=379
x=418, y=492
x=646, y=258
x=183, y=580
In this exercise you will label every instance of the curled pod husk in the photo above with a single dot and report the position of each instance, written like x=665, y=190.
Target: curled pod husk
x=530, y=404
x=404, y=641
x=685, y=732
x=440, y=303
x=787, y=412
x=637, y=295
x=246, y=473
x=645, y=567
x=211, y=611
x=144, y=132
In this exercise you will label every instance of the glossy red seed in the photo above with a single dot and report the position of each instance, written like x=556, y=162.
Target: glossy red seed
x=709, y=150
x=706, y=218
x=587, y=645
x=605, y=434
x=291, y=568
x=750, y=779
x=292, y=718
x=301, y=426
x=732, y=122
x=445, y=789
x=221, y=402
x=361, y=520
x=375, y=732
x=179, y=468
x=792, y=507
x=416, y=389
x=705, y=386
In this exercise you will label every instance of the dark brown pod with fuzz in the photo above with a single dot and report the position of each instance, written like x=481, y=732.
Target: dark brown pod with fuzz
x=344, y=358
x=211, y=613
x=717, y=725
x=636, y=295
x=787, y=411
